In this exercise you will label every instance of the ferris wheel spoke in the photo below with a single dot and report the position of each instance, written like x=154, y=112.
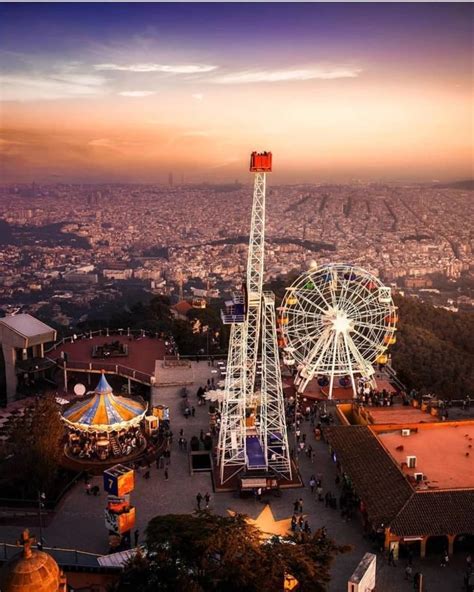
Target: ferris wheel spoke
x=369, y=325
x=363, y=337
x=311, y=303
x=333, y=365
x=349, y=362
x=312, y=367
x=364, y=362
x=303, y=313
x=321, y=294
x=333, y=286
x=360, y=296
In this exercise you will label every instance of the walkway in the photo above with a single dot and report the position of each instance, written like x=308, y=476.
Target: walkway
x=80, y=521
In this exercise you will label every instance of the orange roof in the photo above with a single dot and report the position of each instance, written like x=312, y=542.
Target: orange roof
x=443, y=451
x=182, y=307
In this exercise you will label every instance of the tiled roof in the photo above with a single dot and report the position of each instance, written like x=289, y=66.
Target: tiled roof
x=436, y=513
x=375, y=477
x=182, y=307
x=387, y=495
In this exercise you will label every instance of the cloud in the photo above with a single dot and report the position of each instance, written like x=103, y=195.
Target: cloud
x=198, y=96
x=37, y=87
x=170, y=69
x=196, y=133
x=6, y=143
x=102, y=143
x=252, y=76
x=137, y=93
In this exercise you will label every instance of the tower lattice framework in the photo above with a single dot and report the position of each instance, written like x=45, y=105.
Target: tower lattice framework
x=253, y=433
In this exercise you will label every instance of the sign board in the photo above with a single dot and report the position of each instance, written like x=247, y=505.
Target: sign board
x=120, y=523
x=363, y=578
x=118, y=504
x=119, y=480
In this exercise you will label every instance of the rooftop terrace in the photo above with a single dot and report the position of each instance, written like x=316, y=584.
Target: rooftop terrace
x=443, y=451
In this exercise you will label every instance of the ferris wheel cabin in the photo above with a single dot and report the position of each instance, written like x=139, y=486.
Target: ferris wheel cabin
x=261, y=162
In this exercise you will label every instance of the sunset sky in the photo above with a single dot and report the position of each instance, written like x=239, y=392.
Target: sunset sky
x=130, y=92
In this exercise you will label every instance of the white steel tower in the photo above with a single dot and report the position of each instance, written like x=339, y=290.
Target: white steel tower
x=253, y=427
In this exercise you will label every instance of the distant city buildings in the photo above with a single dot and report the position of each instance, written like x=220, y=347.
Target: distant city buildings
x=75, y=243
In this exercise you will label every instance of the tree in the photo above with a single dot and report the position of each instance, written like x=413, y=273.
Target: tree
x=207, y=552
x=35, y=447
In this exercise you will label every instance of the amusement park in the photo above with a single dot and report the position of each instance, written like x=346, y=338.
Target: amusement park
x=303, y=428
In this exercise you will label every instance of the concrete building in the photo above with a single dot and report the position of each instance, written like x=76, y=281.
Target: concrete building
x=23, y=338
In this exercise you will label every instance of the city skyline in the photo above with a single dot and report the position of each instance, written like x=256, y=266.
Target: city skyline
x=128, y=93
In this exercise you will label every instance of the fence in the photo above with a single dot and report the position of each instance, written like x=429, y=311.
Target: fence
x=105, y=333
x=125, y=371
x=64, y=557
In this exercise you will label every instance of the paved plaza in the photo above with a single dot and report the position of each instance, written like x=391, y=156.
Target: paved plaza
x=79, y=522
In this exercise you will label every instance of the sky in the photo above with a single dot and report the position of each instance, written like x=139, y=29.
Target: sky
x=131, y=92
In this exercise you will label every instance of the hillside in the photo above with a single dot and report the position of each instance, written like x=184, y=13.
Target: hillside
x=434, y=349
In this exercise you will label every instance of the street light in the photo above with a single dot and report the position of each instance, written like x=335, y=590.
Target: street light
x=41, y=500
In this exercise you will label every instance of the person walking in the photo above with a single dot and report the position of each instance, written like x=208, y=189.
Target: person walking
x=166, y=474
x=391, y=558
x=312, y=483
x=300, y=505
x=408, y=572
x=296, y=506
x=207, y=499
x=193, y=411
x=199, y=500
x=294, y=522
x=445, y=560
x=136, y=534
x=319, y=492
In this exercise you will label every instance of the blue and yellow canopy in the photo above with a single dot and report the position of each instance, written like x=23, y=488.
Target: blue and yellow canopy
x=104, y=411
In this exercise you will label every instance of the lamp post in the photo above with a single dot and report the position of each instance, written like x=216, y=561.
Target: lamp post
x=41, y=500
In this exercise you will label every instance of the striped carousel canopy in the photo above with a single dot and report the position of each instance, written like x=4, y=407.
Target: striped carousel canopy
x=104, y=411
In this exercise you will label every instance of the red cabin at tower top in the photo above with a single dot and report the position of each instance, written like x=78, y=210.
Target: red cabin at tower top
x=261, y=162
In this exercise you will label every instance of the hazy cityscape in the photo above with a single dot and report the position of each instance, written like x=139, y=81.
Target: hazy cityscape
x=75, y=243
x=236, y=297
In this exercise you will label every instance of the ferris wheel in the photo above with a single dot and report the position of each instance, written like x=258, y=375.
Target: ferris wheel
x=336, y=321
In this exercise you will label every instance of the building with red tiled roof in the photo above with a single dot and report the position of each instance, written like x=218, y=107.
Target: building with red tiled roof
x=181, y=309
x=408, y=490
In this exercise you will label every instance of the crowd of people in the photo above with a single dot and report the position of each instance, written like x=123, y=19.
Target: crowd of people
x=367, y=395
x=102, y=446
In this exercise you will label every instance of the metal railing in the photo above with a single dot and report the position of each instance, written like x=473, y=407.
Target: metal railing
x=103, y=333
x=64, y=557
x=125, y=371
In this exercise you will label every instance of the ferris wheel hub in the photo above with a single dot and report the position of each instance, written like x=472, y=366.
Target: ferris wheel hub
x=341, y=323
x=338, y=321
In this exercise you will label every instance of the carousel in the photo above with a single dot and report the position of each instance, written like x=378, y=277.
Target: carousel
x=104, y=426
